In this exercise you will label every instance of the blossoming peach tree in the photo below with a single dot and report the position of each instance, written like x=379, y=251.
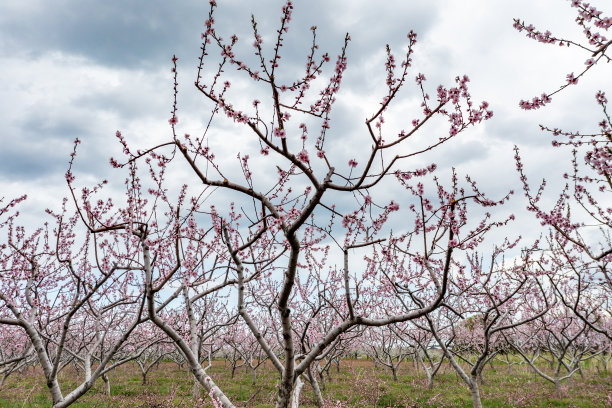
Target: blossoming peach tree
x=578, y=248
x=293, y=239
x=281, y=244
x=71, y=292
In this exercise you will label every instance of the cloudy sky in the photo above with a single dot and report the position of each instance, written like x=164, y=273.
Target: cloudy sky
x=85, y=68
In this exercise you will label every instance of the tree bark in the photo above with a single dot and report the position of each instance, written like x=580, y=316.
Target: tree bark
x=474, y=390
x=107, y=387
x=295, y=395
x=315, y=388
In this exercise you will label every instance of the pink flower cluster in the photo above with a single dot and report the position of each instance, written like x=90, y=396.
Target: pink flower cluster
x=535, y=103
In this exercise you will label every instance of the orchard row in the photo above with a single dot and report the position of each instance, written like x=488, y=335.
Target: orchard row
x=297, y=256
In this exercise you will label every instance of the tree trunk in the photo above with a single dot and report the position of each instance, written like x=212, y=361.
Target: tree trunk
x=286, y=395
x=322, y=378
x=295, y=398
x=107, y=387
x=315, y=388
x=475, y=391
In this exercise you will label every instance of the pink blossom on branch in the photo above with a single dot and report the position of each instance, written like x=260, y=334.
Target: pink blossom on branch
x=597, y=45
x=581, y=208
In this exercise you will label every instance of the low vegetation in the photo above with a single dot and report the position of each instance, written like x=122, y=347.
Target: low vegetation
x=358, y=383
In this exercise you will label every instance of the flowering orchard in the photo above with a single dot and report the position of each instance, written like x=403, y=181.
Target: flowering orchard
x=295, y=256
x=578, y=245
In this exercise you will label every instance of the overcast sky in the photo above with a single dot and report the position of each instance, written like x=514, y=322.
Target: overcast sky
x=85, y=68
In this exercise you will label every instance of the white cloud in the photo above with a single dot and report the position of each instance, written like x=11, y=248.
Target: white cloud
x=51, y=97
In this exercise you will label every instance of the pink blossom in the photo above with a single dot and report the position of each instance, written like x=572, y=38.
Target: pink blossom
x=279, y=133
x=303, y=156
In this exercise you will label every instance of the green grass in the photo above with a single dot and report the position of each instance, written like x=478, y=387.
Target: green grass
x=358, y=384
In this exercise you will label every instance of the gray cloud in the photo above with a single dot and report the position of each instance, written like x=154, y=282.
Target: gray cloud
x=111, y=33
x=85, y=68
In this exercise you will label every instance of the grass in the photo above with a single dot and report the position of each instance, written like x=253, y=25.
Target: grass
x=358, y=384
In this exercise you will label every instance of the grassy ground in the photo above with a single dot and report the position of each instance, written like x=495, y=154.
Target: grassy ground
x=358, y=383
